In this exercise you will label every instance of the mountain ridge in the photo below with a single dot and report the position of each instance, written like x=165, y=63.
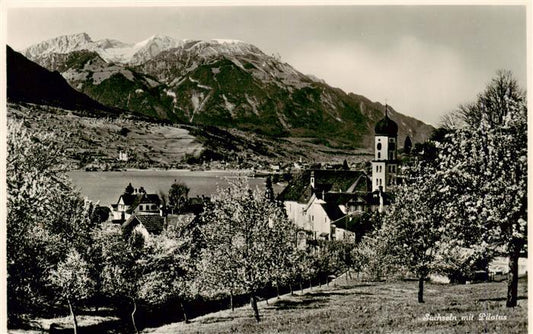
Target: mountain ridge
x=226, y=83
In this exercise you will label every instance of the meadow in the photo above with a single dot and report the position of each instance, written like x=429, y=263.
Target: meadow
x=373, y=307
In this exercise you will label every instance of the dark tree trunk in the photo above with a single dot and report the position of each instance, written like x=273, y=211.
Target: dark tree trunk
x=292, y=291
x=253, y=303
x=277, y=291
x=74, y=320
x=231, y=301
x=512, y=279
x=421, y=289
x=301, y=288
x=133, y=315
x=184, y=310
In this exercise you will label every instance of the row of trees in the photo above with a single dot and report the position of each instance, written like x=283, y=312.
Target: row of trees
x=59, y=254
x=465, y=198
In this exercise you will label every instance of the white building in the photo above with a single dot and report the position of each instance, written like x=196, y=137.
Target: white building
x=385, y=163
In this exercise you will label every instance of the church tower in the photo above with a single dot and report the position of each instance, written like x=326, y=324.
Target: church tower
x=385, y=163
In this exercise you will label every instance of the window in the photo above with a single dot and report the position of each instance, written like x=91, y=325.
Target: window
x=379, y=146
x=379, y=155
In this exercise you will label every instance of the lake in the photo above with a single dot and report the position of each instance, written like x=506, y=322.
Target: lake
x=106, y=187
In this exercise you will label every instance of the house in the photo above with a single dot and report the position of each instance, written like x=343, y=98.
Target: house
x=122, y=156
x=139, y=211
x=135, y=201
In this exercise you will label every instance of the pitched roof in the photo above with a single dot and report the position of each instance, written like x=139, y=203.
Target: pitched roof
x=151, y=198
x=333, y=211
x=128, y=199
x=349, y=222
x=133, y=200
x=300, y=190
x=153, y=223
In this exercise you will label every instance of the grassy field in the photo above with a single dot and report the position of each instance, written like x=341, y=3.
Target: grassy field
x=355, y=307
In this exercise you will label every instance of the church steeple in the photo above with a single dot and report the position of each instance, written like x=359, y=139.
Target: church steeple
x=384, y=166
x=386, y=126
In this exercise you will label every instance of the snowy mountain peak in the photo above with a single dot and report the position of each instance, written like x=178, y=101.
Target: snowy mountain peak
x=112, y=50
x=226, y=41
x=61, y=44
x=158, y=39
x=151, y=47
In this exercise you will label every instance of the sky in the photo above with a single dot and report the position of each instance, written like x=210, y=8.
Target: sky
x=424, y=61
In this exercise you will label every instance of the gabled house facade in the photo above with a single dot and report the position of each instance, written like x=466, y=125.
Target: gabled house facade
x=135, y=201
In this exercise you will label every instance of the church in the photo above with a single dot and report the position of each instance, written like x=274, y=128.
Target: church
x=329, y=204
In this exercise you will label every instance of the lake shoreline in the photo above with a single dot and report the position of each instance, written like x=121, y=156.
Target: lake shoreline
x=105, y=187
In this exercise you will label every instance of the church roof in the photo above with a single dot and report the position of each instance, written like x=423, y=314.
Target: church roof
x=327, y=181
x=386, y=127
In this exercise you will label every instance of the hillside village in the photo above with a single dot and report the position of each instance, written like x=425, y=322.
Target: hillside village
x=324, y=204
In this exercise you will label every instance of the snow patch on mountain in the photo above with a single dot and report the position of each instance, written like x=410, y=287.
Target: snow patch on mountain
x=228, y=105
x=152, y=83
x=109, y=49
x=315, y=78
x=171, y=94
